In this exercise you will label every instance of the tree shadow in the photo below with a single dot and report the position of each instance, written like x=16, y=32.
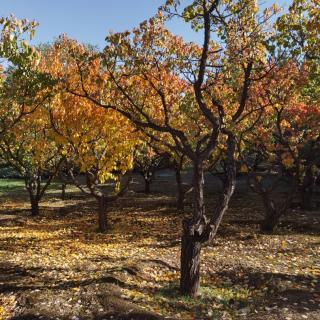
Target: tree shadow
x=298, y=292
x=32, y=298
x=108, y=316
x=15, y=278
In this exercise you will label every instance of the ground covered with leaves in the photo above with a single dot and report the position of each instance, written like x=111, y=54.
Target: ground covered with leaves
x=58, y=267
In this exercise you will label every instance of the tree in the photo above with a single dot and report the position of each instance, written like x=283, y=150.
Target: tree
x=218, y=84
x=287, y=140
x=298, y=36
x=30, y=149
x=20, y=80
x=298, y=30
x=14, y=36
x=147, y=161
x=179, y=162
x=99, y=143
x=194, y=97
x=96, y=145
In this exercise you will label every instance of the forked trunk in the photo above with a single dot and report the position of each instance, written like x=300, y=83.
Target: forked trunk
x=102, y=214
x=200, y=230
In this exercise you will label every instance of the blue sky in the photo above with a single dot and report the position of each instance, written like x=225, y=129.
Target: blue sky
x=88, y=20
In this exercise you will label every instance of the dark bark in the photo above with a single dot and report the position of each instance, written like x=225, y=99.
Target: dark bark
x=33, y=185
x=190, y=261
x=102, y=214
x=274, y=211
x=34, y=206
x=190, y=242
x=199, y=230
x=63, y=190
x=306, y=198
x=147, y=184
x=180, y=191
x=180, y=200
x=306, y=190
x=272, y=215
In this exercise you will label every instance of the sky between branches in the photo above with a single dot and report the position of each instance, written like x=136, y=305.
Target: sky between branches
x=90, y=21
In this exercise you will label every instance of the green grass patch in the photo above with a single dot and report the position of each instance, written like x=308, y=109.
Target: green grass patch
x=224, y=297
x=7, y=185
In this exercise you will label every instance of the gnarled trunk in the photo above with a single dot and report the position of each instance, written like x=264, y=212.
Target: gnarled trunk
x=102, y=214
x=190, y=244
x=200, y=230
x=190, y=261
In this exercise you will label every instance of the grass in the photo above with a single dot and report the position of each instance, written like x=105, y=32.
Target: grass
x=9, y=185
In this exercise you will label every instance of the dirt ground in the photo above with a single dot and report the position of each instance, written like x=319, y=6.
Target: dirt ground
x=58, y=267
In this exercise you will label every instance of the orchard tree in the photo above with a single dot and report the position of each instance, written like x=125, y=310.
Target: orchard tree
x=174, y=160
x=96, y=145
x=19, y=78
x=24, y=132
x=180, y=162
x=298, y=35
x=298, y=30
x=194, y=97
x=99, y=143
x=287, y=140
x=30, y=149
x=14, y=47
x=147, y=161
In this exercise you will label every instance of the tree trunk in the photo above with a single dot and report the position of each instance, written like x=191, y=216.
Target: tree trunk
x=180, y=191
x=33, y=186
x=200, y=231
x=272, y=214
x=180, y=200
x=306, y=190
x=63, y=191
x=306, y=198
x=190, y=244
x=34, y=206
x=147, y=184
x=270, y=221
x=102, y=214
x=274, y=211
x=190, y=261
